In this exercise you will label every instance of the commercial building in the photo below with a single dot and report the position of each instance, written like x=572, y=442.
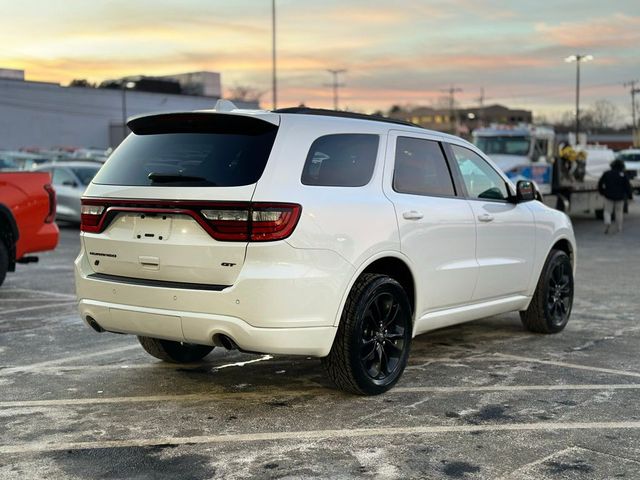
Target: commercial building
x=40, y=114
x=462, y=121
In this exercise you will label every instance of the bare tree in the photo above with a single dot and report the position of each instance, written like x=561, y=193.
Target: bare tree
x=603, y=115
x=245, y=93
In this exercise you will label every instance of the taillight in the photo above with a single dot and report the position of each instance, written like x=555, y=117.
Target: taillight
x=258, y=222
x=90, y=217
x=51, y=214
x=227, y=222
x=273, y=221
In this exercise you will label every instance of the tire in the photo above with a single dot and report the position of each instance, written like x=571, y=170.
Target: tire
x=174, y=352
x=551, y=304
x=4, y=261
x=367, y=356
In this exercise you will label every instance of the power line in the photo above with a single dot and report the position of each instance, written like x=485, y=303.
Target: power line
x=335, y=85
x=481, y=100
x=452, y=117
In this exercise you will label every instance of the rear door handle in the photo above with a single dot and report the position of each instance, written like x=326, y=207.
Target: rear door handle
x=412, y=215
x=485, y=217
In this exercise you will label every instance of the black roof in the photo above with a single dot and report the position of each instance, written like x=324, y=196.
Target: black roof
x=335, y=113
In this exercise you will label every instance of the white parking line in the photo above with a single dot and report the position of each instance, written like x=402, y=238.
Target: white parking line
x=502, y=357
x=5, y=299
x=37, y=307
x=195, y=397
x=40, y=293
x=36, y=366
x=38, y=447
x=535, y=463
x=566, y=365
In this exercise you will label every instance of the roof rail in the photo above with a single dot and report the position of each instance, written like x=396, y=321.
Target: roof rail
x=335, y=113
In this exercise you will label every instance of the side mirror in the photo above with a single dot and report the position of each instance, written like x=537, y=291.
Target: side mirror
x=525, y=191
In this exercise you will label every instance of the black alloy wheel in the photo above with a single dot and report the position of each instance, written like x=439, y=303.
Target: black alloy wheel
x=551, y=304
x=373, y=340
x=560, y=293
x=383, y=335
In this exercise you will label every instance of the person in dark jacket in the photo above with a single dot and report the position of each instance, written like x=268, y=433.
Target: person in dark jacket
x=615, y=187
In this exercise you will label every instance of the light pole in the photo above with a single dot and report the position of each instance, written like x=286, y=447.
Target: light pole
x=335, y=84
x=124, y=87
x=273, y=54
x=578, y=59
x=634, y=125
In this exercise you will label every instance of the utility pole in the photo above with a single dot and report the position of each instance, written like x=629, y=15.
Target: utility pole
x=634, y=126
x=335, y=85
x=273, y=55
x=453, y=119
x=481, y=99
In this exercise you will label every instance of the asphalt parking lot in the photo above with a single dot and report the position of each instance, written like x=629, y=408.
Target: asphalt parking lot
x=483, y=400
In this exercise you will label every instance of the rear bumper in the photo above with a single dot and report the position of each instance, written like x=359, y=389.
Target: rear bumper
x=285, y=301
x=203, y=328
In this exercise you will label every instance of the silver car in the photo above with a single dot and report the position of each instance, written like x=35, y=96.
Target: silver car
x=70, y=179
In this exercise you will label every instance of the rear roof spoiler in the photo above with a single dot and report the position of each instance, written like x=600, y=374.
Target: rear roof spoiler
x=206, y=121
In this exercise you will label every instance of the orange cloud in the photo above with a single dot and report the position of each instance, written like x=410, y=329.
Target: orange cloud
x=613, y=31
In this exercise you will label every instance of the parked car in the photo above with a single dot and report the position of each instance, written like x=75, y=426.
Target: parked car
x=312, y=232
x=631, y=159
x=7, y=164
x=70, y=180
x=23, y=160
x=27, y=214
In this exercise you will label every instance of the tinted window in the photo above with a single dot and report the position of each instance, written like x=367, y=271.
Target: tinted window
x=421, y=168
x=85, y=174
x=6, y=163
x=191, y=150
x=629, y=157
x=507, y=145
x=481, y=180
x=62, y=176
x=343, y=160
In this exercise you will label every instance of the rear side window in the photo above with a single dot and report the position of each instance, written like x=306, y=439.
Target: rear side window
x=191, y=150
x=341, y=160
x=421, y=168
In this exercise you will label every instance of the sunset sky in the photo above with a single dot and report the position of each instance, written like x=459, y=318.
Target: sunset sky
x=395, y=52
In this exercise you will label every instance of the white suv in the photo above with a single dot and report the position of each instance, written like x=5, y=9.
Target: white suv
x=312, y=232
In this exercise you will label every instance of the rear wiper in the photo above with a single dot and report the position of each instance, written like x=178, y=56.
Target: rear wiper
x=176, y=178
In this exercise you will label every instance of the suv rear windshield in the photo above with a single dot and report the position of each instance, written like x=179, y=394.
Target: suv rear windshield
x=196, y=150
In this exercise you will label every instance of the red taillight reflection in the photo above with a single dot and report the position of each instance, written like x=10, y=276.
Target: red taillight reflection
x=51, y=214
x=228, y=222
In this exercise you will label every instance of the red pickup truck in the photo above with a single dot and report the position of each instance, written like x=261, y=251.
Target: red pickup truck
x=27, y=215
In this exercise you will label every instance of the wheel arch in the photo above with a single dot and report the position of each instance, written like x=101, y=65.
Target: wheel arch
x=9, y=234
x=393, y=264
x=563, y=244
